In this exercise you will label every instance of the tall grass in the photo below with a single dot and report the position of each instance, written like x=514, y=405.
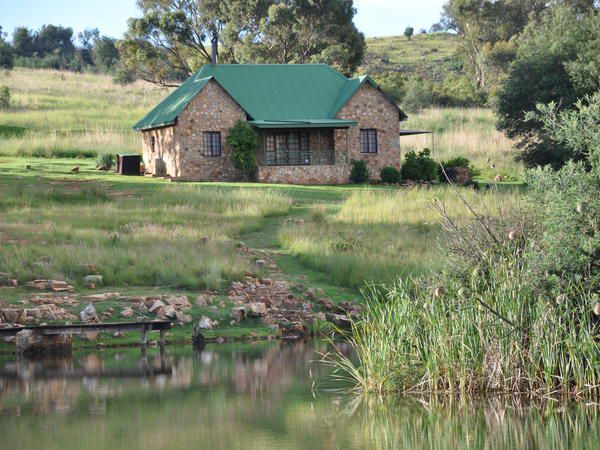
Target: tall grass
x=175, y=235
x=468, y=132
x=375, y=236
x=63, y=113
x=481, y=328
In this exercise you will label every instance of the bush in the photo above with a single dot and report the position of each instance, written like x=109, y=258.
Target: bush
x=458, y=161
x=419, y=166
x=359, y=173
x=105, y=160
x=390, y=174
x=4, y=97
x=244, y=141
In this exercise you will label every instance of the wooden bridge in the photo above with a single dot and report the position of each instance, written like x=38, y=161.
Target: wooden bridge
x=57, y=338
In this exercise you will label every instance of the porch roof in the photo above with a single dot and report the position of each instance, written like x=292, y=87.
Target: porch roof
x=311, y=123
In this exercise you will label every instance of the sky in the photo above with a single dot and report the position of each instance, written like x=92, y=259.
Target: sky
x=374, y=17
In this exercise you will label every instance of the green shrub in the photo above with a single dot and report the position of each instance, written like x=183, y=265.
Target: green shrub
x=244, y=141
x=419, y=166
x=4, y=97
x=105, y=160
x=359, y=173
x=390, y=174
x=457, y=161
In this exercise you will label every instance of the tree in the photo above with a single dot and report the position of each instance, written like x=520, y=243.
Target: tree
x=481, y=22
x=243, y=141
x=555, y=63
x=22, y=42
x=105, y=54
x=87, y=40
x=52, y=39
x=408, y=32
x=7, y=54
x=168, y=41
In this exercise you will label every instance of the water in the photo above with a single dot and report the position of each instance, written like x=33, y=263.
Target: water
x=267, y=395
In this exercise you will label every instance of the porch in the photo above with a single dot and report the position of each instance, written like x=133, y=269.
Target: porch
x=320, y=146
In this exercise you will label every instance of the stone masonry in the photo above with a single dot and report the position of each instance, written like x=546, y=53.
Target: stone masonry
x=178, y=149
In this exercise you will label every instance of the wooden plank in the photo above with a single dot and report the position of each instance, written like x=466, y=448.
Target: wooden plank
x=91, y=328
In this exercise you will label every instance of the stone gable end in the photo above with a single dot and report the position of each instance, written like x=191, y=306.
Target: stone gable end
x=180, y=147
x=372, y=109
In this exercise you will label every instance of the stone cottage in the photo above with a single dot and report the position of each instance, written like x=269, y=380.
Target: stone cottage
x=311, y=121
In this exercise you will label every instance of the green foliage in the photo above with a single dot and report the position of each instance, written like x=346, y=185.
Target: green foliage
x=392, y=84
x=4, y=97
x=408, y=32
x=457, y=161
x=359, y=172
x=549, y=68
x=168, y=41
x=244, y=141
x=419, y=166
x=106, y=160
x=105, y=54
x=7, y=55
x=390, y=174
x=568, y=200
x=455, y=90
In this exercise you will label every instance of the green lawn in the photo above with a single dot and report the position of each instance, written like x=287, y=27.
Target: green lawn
x=147, y=235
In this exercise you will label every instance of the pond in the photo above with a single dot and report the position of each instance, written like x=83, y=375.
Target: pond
x=264, y=395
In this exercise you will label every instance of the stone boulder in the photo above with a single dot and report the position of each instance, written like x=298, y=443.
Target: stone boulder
x=257, y=309
x=205, y=323
x=11, y=315
x=127, y=313
x=458, y=175
x=89, y=315
x=91, y=281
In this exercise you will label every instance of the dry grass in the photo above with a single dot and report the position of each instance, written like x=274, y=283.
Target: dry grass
x=466, y=132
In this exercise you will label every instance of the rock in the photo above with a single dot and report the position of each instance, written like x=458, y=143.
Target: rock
x=260, y=262
x=11, y=316
x=339, y=320
x=156, y=305
x=206, y=324
x=91, y=281
x=127, y=313
x=153, y=343
x=326, y=303
x=88, y=314
x=458, y=175
x=310, y=294
x=182, y=317
x=89, y=336
x=169, y=312
x=257, y=309
x=119, y=334
x=238, y=313
x=202, y=300
x=74, y=169
x=101, y=297
x=178, y=301
x=498, y=178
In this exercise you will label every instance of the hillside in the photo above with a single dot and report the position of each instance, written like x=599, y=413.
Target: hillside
x=431, y=54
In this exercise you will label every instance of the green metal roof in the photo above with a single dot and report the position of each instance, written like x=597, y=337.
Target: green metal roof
x=313, y=123
x=282, y=95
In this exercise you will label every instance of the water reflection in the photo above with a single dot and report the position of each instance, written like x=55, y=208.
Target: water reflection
x=252, y=396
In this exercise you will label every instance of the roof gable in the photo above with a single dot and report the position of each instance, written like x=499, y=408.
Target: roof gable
x=266, y=92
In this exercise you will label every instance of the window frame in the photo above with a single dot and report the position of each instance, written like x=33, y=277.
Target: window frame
x=369, y=142
x=212, y=145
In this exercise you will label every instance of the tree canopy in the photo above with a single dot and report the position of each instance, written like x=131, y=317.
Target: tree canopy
x=555, y=63
x=173, y=38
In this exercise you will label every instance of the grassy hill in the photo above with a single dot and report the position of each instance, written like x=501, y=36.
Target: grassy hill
x=60, y=113
x=431, y=54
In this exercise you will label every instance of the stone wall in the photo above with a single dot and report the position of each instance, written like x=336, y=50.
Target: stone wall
x=325, y=174
x=181, y=146
x=371, y=109
x=165, y=151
